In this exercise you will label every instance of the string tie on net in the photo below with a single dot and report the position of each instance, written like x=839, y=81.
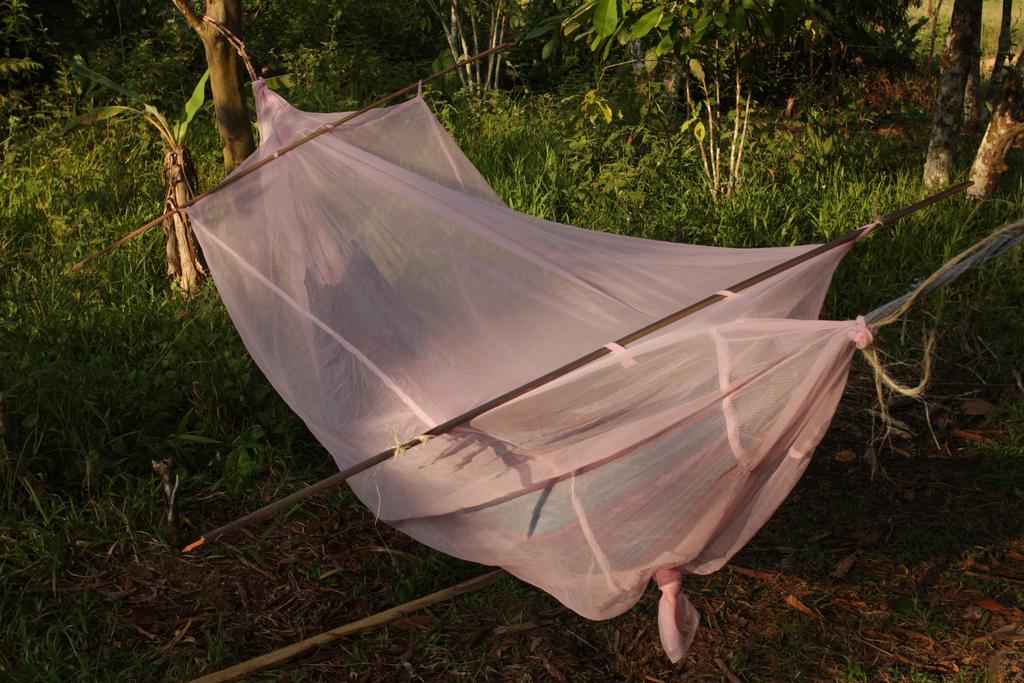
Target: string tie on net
x=625, y=358
x=868, y=229
x=861, y=334
x=401, y=448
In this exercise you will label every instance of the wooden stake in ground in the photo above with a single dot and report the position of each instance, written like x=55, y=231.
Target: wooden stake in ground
x=170, y=482
x=185, y=262
x=284, y=654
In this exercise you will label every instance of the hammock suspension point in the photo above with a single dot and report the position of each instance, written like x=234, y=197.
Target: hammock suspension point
x=235, y=177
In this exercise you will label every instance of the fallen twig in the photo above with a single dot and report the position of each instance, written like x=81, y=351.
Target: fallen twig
x=284, y=654
x=754, y=573
x=726, y=671
x=996, y=577
x=942, y=667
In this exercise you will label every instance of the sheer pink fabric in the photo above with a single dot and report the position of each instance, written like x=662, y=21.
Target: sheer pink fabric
x=383, y=287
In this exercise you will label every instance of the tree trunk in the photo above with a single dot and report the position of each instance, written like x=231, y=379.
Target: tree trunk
x=949, y=102
x=3, y=424
x=225, y=76
x=972, y=91
x=670, y=93
x=933, y=14
x=1006, y=124
x=833, y=67
x=995, y=86
x=184, y=258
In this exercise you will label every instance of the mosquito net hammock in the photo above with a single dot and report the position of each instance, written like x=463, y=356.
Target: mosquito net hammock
x=383, y=287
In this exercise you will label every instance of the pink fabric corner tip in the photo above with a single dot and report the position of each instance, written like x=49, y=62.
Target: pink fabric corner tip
x=677, y=617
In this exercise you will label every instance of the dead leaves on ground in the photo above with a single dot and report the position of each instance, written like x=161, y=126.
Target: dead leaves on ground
x=797, y=604
x=977, y=406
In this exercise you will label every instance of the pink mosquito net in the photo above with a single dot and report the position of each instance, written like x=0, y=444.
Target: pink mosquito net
x=383, y=288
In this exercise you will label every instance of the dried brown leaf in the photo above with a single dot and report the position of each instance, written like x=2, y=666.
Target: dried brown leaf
x=554, y=673
x=971, y=436
x=989, y=604
x=799, y=606
x=1013, y=633
x=869, y=538
x=754, y=573
x=977, y=406
x=844, y=565
x=846, y=456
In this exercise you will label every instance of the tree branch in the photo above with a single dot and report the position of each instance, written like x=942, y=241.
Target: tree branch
x=193, y=19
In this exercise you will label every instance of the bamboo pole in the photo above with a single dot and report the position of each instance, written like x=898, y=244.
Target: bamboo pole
x=235, y=177
x=473, y=413
x=288, y=652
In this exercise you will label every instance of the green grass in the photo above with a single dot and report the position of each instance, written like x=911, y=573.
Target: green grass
x=106, y=370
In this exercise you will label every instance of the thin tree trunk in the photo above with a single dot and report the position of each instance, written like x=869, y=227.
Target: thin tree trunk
x=670, y=93
x=949, y=102
x=476, y=48
x=225, y=76
x=449, y=35
x=1006, y=124
x=833, y=70
x=933, y=13
x=497, y=62
x=460, y=31
x=1002, y=53
x=972, y=91
x=184, y=258
x=492, y=40
x=3, y=423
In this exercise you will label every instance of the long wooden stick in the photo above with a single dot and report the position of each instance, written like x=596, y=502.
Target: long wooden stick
x=284, y=654
x=238, y=175
x=473, y=413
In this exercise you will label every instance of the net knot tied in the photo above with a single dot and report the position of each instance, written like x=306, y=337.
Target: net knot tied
x=861, y=334
x=868, y=229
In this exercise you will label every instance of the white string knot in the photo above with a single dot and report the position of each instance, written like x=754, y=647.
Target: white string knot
x=868, y=229
x=400, y=448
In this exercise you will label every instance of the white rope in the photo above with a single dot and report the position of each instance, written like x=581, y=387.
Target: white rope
x=991, y=247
